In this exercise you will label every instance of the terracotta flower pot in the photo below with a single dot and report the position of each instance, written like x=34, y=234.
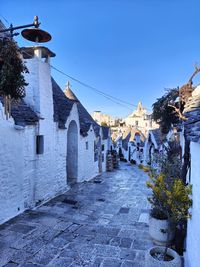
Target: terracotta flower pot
x=161, y=231
x=152, y=261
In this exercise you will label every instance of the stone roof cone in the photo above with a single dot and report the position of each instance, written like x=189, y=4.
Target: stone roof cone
x=69, y=94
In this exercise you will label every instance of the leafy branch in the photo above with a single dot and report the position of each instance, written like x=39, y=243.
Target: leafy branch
x=12, y=67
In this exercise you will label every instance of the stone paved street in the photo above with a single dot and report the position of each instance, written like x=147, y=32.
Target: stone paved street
x=96, y=223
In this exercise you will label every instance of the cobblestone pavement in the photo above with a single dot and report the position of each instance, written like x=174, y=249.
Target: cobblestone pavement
x=96, y=223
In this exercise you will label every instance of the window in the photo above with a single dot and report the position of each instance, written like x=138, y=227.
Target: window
x=39, y=144
x=136, y=123
x=86, y=145
x=102, y=148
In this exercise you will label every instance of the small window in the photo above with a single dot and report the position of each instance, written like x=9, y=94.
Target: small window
x=102, y=148
x=39, y=144
x=136, y=123
x=86, y=145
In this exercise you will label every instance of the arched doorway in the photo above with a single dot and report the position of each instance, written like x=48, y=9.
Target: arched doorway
x=72, y=153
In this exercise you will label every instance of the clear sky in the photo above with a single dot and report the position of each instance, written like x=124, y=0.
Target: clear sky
x=131, y=49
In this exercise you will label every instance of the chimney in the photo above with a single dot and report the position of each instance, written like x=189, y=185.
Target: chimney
x=39, y=95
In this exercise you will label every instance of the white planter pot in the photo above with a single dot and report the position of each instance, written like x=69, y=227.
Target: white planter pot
x=150, y=261
x=161, y=231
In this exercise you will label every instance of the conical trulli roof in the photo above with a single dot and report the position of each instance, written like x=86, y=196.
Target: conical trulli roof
x=84, y=117
x=69, y=94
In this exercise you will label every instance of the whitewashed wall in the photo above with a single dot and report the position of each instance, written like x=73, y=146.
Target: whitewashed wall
x=27, y=178
x=135, y=154
x=29, y=169
x=16, y=167
x=192, y=256
x=49, y=179
x=88, y=168
x=11, y=152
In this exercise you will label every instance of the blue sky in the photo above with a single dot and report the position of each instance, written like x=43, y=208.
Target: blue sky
x=131, y=49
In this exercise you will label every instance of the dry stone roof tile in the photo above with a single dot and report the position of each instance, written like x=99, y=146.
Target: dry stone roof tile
x=62, y=105
x=84, y=117
x=105, y=131
x=192, y=113
x=22, y=114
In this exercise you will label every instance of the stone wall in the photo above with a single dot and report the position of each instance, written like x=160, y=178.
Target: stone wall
x=192, y=256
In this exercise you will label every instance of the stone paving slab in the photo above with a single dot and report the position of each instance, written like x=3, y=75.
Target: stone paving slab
x=95, y=224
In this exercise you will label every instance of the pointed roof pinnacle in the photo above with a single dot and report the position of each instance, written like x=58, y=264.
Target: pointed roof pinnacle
x=139, y=107
x=68, y=92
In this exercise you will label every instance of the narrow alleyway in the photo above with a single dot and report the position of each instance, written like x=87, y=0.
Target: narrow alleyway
x=97, y=223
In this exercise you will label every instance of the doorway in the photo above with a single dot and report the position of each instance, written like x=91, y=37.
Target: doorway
x=72, y=153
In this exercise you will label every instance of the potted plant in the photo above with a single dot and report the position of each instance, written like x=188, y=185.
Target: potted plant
x=170, y=202
x=170, y=199
x=157, y=257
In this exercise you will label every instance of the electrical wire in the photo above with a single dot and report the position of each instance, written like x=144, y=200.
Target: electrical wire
x=74, y=79
x=109, y=97
x=105, y=95
x=7, y=22
x=91, y=87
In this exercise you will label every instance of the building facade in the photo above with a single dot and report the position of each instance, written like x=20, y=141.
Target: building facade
x=49, y=143
x=104, y=119
x=192, y=133
x=141, y=119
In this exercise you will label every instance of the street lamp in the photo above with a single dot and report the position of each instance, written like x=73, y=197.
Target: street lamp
x=32, y=34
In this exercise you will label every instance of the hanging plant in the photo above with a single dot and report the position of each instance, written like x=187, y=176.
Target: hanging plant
x=12, y=81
